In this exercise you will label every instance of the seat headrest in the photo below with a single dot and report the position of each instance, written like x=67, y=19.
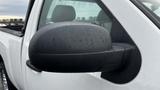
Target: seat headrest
x=103, y=17
x=63, y=13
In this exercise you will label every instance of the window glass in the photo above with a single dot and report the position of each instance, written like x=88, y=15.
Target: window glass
x=153, y=5
x=74, y=10
x=13, y=13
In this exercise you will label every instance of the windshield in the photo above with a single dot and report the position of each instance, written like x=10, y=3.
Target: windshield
x=153, y=5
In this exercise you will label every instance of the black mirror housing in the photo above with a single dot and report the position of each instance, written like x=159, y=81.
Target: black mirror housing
x=74, y=47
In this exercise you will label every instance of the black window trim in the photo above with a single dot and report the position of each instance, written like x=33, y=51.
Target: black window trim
x=152, y=16
x=30, y=6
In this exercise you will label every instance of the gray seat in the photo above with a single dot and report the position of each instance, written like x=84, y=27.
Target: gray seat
x=105, y=20
x=103, y=17
x=63, y=13
x=118, y=33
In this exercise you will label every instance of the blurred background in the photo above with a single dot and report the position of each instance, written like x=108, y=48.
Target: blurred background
x=13, y=13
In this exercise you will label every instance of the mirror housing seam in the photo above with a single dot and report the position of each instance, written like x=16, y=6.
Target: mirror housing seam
x=28, y=63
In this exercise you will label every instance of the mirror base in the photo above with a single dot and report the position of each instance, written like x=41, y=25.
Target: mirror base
x=28, y=63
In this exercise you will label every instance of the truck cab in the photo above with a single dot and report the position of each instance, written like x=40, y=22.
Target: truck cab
x=83, y=45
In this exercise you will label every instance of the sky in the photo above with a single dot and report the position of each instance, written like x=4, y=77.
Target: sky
x=13, y=8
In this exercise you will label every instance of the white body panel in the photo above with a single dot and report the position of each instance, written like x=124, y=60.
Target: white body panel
x=10, y=50
x=143, y=32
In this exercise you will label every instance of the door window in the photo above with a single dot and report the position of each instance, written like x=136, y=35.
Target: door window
x=87, y=11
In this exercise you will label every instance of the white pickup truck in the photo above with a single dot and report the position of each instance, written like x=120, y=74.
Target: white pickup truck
x=83, y=45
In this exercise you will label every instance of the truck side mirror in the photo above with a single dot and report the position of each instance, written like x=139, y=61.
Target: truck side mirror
x=75, y=47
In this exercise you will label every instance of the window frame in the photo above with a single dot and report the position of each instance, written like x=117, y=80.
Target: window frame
x=149, y=13
x=30, y=5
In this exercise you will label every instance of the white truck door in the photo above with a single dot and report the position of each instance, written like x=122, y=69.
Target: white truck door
x=94, y=12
